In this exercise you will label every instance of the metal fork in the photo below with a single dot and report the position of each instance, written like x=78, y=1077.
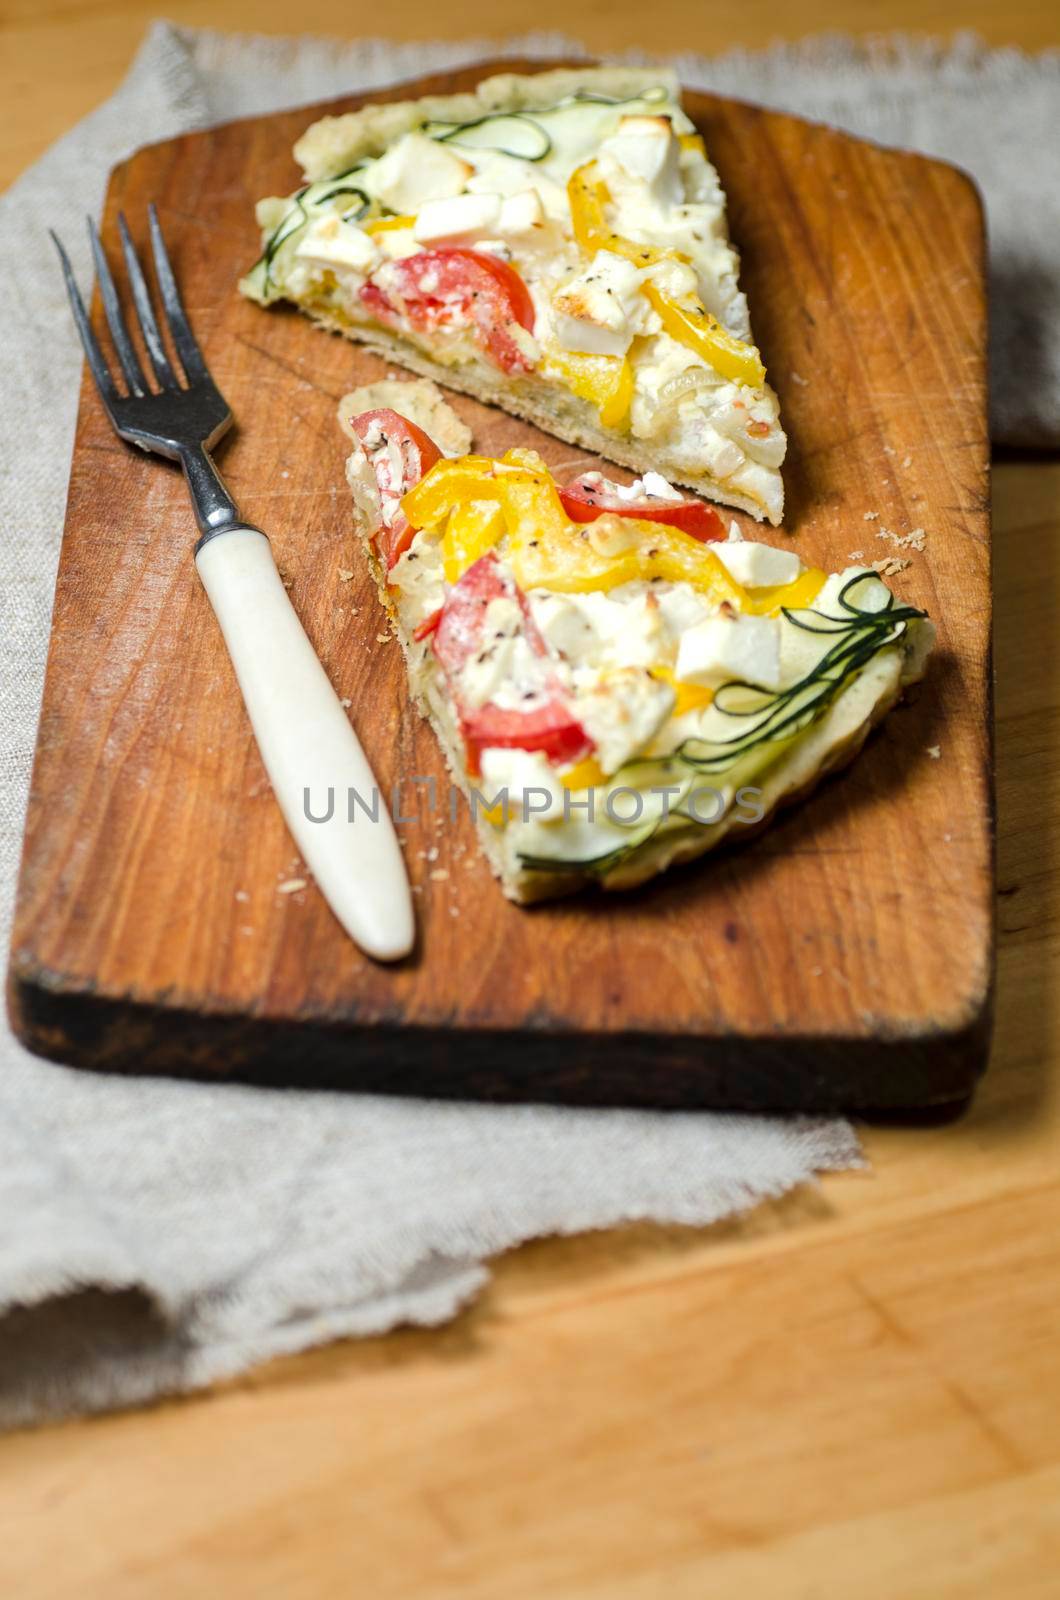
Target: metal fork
x=306, y=741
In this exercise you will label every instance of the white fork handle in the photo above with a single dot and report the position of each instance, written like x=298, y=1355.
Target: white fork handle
x=307, y=744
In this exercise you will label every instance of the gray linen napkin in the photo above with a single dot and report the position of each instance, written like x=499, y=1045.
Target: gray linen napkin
x=156, y=1236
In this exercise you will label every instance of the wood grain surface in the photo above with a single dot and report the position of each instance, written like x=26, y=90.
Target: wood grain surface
x=816, y=967
x=852, y=1391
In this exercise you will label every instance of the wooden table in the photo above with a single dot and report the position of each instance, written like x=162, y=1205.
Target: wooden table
x=854, y=1390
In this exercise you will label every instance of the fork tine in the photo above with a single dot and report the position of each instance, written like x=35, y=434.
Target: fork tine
x=148, y=326
x=130, y=364
x=187, y=344
x=93, y=354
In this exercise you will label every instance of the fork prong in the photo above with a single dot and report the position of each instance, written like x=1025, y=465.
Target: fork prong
x=167, y=378
x=93, y=354
x=130, y=363
x=187, y=345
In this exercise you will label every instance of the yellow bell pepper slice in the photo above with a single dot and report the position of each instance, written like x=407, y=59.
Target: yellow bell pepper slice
x=687, y=696
x=473, y=527
x=450, y=483
x=801, y=591
x=387, y=224
x=587, y=774
x=549, y=552
x=480, y=500
x=693, y=326
x=587, y=196
x=605, y=381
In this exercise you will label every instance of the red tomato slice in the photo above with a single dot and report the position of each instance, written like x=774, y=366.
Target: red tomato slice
x=456, y=288
x=550, y=725
x=381, y=433
x=591, y=496
x=428, y=625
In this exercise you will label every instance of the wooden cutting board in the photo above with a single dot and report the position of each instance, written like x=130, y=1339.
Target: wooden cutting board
x=842, y=959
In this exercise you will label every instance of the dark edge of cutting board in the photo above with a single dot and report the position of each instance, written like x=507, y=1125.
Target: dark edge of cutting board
x=295, y=1005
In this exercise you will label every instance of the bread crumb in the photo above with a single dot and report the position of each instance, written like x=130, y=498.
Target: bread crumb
x=907, y=461
x=291, y=885
x=890, y=566
x=382, y=638
x=439, y=874
x=346, y=702
x=888, y=450
x=934, y=751
x=797, y=377
x=856, y=555
x=431, y=854
x=454, y=911
x=241, y=894
x=870, y=516
x=914, y=540
x=345, y=574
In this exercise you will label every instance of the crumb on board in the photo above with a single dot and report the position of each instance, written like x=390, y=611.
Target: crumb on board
x=454, y=911
x=907, y=461
x=797, y=377
x=889, y=450
x=890, y=566
x=916, y=539
x=856, y=555
x=345, y=574
x=870, y=516
x=242, y=895
x=345, y=702
x=381, y=638
x=934, y=751
x=291, y=885
x=439, y=874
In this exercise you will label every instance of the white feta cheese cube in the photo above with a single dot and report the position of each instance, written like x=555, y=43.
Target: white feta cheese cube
x=659, y=488
x=531, y=787
x=731, y=649
x=758, y=566
x=331, y=242
x=464, y=216
x=645, y=148
x=621, y=712
x=594, y=314
x=417, y=169
x=521, y=213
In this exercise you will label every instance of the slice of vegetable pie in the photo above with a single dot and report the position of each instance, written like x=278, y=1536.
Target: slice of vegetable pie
x=555, y=244
x=617, y=686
